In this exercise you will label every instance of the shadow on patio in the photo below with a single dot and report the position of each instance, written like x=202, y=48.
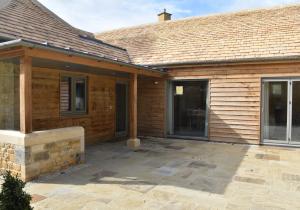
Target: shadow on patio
x=200, y=166
x=175, y=174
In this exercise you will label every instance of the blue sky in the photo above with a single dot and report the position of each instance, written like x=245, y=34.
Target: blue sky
x=102, y=15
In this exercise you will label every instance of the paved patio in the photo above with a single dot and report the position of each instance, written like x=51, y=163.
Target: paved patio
x=175, y=174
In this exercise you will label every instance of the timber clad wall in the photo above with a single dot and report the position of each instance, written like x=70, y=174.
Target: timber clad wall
x=235, y=97
x=99, y=123
x=151, y=107
x=235, y=109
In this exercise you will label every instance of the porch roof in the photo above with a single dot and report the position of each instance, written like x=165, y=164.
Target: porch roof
x=45, y=51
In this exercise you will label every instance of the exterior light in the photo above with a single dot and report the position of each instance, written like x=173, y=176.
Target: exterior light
x=179, y=90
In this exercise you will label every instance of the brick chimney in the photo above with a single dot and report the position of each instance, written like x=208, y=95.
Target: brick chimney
x=164, y=16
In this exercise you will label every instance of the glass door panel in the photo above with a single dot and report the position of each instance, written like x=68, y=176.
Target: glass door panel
x=121, y=109
x=275, y=110
x=190, y=108
x=295, y=125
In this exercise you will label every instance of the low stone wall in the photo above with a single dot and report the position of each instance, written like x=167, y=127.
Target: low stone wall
x=8, y=158
x=42, y=152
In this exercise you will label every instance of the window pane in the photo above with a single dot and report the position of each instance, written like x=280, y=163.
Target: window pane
x=65, y=94
x=275, y=127
x=190, y=108
x=296, y=112
x=121, y=107
x=80, y=102
x=9, y=94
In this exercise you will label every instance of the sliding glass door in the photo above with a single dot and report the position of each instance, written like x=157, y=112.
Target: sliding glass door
x=295, y=112
x=189, y=105
x=275, y=110
x=281, y=111
x=121, y=109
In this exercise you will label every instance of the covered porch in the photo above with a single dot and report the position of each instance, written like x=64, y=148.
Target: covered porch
x=54, y=101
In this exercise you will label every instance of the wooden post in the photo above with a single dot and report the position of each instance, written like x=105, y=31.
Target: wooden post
x=133, y=107
x=133, y=142
x=26, y=94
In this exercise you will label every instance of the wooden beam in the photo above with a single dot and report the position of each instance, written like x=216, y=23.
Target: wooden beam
x=26, y=94
x=11, y=53
x=133, y=106
x=57, y=56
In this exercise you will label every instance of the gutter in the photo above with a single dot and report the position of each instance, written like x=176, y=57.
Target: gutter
x=225, y=62
x=69, y=51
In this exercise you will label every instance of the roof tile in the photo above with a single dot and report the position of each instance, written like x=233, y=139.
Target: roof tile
x=248, y=34
x=28, y=19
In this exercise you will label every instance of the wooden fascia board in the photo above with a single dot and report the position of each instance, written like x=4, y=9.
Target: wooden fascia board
x=57, y=56
x=12, y=53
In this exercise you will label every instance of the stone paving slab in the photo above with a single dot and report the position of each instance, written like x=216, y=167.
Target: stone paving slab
x=175, y=174
x=36, y=198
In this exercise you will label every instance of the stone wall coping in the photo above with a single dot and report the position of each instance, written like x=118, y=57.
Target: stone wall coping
x=42, y=137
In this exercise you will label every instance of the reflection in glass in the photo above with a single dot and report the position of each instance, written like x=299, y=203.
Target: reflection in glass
x=121, y=108
x=190, y=108
x=80, y=94
x=9, y=94
x=296, y=112
x=275, y=119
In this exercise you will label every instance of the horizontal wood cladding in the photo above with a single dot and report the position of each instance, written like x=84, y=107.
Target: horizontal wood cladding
x=99, y=122
x=237, y=121
x=151, y=107
x=235, y=97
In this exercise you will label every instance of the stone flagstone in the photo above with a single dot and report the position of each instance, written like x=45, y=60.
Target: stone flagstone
x=202, y=176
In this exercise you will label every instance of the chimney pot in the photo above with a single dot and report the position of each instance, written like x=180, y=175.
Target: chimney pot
x=164, y=16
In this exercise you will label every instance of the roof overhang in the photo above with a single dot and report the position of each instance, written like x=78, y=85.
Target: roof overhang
x=228, y=62
x=39, y=50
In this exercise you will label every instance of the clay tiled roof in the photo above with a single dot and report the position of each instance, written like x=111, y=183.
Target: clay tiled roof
x=264, y=33
x=29, y=20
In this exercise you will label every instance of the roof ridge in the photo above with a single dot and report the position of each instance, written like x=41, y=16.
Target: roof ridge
x=231, y=13
x=101, y=42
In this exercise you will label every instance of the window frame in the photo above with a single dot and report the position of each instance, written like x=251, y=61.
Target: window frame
x=170, y=105
x=73, y=111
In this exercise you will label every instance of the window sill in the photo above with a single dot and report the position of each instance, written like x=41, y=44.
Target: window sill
x=73, y=115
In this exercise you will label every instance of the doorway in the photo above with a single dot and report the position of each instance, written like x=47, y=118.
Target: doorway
x=189, y=108
x=281, y=111
x=121, y=109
